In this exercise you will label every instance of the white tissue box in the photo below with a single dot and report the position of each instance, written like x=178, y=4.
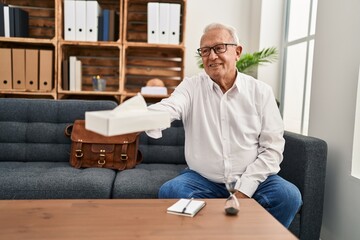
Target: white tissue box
x=154, y=91
x=109, y=124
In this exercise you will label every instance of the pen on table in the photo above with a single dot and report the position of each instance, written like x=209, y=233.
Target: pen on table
x=187, y=204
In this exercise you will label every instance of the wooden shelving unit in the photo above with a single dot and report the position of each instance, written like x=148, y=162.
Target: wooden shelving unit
x=127, y=63
x=42, y=35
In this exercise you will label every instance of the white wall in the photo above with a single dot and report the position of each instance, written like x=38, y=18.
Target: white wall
x=200, y=13
x=332, y=112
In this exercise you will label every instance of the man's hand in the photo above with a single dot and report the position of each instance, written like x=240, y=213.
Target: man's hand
x=239, y=195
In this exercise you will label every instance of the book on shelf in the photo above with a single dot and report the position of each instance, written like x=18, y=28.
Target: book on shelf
x=186, y=207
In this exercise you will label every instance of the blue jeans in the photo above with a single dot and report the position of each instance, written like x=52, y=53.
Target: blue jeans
x=279, y=197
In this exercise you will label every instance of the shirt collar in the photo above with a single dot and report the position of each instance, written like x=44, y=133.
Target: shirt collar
x=212, y=84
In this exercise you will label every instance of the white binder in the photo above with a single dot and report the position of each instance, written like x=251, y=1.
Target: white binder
x=80, y=20
x=6, y=21
x=69, y=20
x=164, y=22
x=72, y=73
x=153, y=22
x=92, y=13
x=174, y=31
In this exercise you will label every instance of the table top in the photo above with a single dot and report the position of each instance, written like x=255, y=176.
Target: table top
x=133, y=219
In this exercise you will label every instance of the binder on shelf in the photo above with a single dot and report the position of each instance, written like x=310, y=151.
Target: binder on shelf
x=100, y=27
x=65, y=75
x=69, y=20
x=31, y=69
x=153, y=22
x=164, y=22
x=7, y=21
x=45, y=70
x=11, y=21
x=80, y=20
x=92, y=14
x=106, y=22
x=78, y=76
x=72, y=73
x=18, y=68
x=116, y=26
x=21, y=22
x=5, y=69
x=111, y=25
x=2, y=30
x=174, y=30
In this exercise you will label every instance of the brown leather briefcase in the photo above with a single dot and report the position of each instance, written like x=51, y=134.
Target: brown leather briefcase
x=89, y=149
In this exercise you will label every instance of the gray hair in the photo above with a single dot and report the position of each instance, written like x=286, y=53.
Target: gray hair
x=230, y=29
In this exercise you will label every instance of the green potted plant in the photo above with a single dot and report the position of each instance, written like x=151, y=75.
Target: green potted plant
x=248, y=62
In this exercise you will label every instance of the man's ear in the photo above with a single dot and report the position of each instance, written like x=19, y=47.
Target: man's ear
x=238, y=52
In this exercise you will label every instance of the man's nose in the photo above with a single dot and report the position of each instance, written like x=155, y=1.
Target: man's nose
x=212, y=55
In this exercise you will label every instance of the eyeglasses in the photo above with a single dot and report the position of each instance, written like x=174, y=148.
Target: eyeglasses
x=218, y=48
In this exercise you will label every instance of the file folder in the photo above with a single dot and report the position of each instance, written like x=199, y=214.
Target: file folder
x=69, y=20
x=153, y=22
x=2, y=30
x=45, y=70
x=11, y=21
x=164, y=22
x=111, y=25
x=6, y=21
x=21, y=23
x=174, y=31
x=5, y=69
x=31, y=69
x=80, y=20
x=18, y=67
x=92, y=14
x=106, y=24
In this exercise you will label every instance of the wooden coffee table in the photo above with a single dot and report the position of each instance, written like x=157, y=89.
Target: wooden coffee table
x=133, y=219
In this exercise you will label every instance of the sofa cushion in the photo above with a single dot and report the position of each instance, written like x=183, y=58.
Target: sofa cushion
x=168, y=149
x=53, y=180
x=33, y=129
x=145, y=180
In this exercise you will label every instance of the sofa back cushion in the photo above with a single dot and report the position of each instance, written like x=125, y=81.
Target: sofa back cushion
x=32, y=130
x=168, y=149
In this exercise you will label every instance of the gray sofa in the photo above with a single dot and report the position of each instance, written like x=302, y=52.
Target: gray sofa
x=35, y=153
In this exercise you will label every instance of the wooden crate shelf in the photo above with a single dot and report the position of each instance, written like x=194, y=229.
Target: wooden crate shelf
x=144, y=63
x=127, y=63
x=96, y=60
x=135, y=23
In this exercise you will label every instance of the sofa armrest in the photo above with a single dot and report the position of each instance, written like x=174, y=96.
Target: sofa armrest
x=304, y=165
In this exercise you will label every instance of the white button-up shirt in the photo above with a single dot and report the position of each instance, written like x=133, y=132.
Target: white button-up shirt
x=239, y=132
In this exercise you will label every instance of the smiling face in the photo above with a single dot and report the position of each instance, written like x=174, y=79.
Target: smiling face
x=220, y=67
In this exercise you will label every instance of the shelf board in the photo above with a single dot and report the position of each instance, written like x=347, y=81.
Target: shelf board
x=152, y=45
x=94, y=93
x=89, y=43
x=28, y=40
